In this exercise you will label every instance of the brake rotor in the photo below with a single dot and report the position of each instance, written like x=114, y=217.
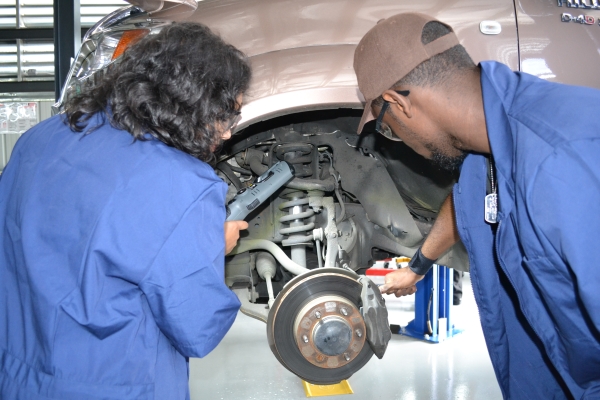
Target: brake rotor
x=315, y=328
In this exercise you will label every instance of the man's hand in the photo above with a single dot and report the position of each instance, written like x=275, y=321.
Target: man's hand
x=442, y=236
x=401, y=282
x=232, y=233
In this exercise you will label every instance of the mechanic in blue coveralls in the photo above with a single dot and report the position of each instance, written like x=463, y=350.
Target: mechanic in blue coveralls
x=526, y=205
x=112, y=234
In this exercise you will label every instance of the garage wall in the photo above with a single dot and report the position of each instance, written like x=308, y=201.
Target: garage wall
x=28, y=59
x=18, y=113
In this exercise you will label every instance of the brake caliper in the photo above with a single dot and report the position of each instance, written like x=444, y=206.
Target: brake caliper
x=375, y=315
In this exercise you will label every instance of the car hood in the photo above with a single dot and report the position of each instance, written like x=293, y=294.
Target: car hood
x=170, y=6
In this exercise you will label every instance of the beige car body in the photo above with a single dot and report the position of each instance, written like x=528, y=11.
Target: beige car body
x=302, y=51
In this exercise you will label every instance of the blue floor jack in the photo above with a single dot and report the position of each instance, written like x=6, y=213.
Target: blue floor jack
x=433, y=311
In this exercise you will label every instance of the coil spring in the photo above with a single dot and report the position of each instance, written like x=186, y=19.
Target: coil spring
x=299, y=155
x=298, y=200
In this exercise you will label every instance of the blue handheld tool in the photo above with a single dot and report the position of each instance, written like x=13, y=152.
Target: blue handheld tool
x=247, y=199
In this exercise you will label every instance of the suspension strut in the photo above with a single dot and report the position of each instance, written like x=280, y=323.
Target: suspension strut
x=304, y=158
x=298, y=220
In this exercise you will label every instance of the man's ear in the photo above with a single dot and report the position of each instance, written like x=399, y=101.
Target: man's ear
x=401, y=103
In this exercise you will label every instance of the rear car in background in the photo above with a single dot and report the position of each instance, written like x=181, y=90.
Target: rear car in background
x=354, y=200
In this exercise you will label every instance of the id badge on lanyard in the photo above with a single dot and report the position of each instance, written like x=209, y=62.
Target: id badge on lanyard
x=491, y=199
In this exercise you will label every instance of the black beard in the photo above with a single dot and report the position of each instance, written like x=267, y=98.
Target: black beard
x=447, y=163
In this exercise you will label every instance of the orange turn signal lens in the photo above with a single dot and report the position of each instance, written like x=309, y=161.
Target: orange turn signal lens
x=128, y=38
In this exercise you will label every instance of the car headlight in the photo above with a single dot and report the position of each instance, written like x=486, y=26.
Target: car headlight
x=102, y=46
x=108, y=48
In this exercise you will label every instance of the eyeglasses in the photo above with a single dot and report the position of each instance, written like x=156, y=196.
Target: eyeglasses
x=383, y=128
x=234, y=121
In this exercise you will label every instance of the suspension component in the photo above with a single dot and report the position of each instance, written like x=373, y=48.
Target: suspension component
x=266, y=268
x=298, y=225
x=301, y=155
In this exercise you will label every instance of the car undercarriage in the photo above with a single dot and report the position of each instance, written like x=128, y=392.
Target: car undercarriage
x=298, y=266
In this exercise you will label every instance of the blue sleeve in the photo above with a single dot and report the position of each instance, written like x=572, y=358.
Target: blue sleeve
x=565, y=208
x=185, y=285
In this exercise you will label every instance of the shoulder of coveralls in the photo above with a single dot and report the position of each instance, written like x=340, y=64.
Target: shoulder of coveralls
x=161, y=192
x=181, y=178
x=176, y=164
x=50, y=124
x=546, y=108
x=152, y=156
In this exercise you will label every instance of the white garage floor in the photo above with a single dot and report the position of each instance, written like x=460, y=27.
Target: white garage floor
x=243, y=367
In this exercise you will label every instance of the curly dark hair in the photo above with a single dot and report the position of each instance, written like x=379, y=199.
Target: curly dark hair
x=179, y=85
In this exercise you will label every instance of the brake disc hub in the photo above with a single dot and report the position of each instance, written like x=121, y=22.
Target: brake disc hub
x=315, y=328
x=330, y=332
